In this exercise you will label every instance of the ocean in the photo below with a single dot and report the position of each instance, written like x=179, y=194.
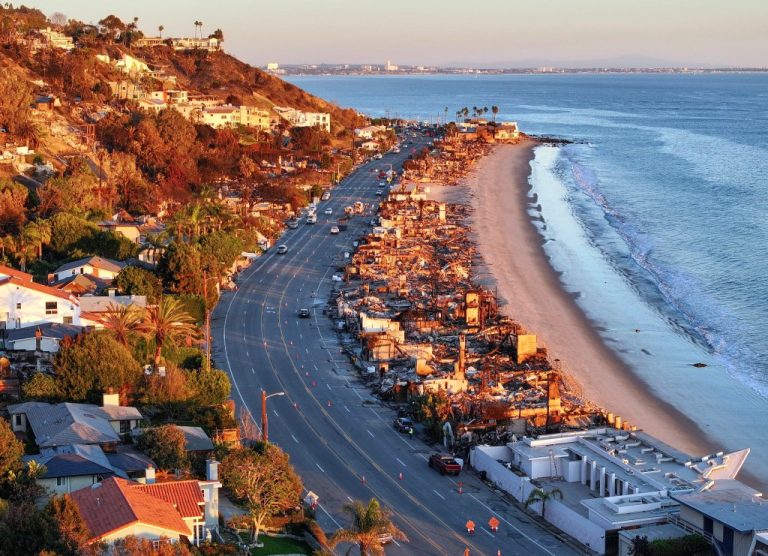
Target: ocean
x=656, y=215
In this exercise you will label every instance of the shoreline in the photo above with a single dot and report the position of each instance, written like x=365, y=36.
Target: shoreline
x=531, y=292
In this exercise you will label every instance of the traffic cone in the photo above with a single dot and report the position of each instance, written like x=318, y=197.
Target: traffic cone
x=329, y=403
x=498, y=552
x=401, y=476
x=461, y=487
x=362, y=479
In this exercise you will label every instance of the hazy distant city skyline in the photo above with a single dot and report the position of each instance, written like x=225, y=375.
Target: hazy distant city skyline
x=483, y=33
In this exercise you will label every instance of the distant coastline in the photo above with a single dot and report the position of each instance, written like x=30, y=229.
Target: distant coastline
x=361, y=71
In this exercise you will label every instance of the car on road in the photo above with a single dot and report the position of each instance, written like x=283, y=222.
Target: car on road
x=282, y=249
x=293, y=224
x=334, y=230
x=328, y=211
x=379, y=192
x=304, y=313
x=403, y=424
x=445, y=464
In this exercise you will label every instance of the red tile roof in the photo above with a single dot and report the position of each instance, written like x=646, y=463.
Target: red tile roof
x=115, y=503
x=186, y=496
x=8, y=271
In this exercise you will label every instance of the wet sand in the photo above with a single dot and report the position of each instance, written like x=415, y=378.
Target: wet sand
x=514, y=261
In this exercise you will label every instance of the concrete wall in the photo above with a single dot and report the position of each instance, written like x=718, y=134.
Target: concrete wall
x=484, y=458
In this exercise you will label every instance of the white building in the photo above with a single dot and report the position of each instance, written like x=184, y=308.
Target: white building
x=369, y=132
x=95, y=266
x=610, y=480
x=230, y=116
x=55, y=39
x=298, y=118
x=389, y=66
x=25, y=303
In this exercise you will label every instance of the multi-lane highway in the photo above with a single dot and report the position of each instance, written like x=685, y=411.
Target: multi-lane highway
x=340, y=439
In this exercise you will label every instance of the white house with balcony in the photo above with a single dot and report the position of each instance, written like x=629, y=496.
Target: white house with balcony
x=25, y=303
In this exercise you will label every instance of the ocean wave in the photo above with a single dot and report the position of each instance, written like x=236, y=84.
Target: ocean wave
x=707, y=322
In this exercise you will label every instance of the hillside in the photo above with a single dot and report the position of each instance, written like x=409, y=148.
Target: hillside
x=221, y=74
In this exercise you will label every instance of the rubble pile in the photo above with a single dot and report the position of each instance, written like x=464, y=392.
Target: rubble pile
x=418, y=328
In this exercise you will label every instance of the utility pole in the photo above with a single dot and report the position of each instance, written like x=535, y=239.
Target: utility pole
x=207, y=322
x=264, y=423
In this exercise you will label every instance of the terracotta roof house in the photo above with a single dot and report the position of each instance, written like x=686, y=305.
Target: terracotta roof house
x=116, y=508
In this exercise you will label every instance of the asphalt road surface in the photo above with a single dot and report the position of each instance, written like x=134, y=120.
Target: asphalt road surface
x=340, y=439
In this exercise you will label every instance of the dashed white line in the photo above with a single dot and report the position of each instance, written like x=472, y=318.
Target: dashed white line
x=275, y=412
x=328, y=386
x=369, y=432
x=320, y=468
x=401, y=462
x=513, y=527
x=253, y=370
x=440, y=495
x=348, y=411
x=294, y=439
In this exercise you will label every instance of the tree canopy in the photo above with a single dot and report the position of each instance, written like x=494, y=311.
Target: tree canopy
x=93, y=363
x=264, y=480
x=166, y=446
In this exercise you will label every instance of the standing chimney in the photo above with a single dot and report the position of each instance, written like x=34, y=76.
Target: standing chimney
x=149, y=475
x=211, y=470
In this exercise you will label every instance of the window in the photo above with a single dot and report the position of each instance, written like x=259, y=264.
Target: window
x=51, y=307
x=67, y=320
x=125, y=427
x=61, y=481
x=17, y=420
x=18, y=306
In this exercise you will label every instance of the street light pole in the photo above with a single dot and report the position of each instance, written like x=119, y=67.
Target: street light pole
x=264, y=420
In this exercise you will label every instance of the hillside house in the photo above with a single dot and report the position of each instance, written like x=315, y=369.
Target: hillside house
x=24, y=303
x=54, y=39
x=179, y=510
x=44, y=338
x=299, y=118
x=100, y=269
x=211, y=44
x=63, y=424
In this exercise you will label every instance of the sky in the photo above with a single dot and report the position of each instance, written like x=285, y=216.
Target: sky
x=479, y=33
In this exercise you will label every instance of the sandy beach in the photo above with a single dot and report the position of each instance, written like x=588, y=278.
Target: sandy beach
x=531, y=293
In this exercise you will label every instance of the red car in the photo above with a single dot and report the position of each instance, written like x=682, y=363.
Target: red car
x=445, y=464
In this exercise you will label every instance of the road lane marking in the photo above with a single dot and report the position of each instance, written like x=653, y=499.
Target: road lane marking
x=275, y=412
x=253, y=370
x=350, y=498
x=294, y=439
x=487, y=531
x=401, y=462
x=440, y=495
x=348, y=411
x=544, y=548
x=369, y=432
x=328, y=386
x=320, y=468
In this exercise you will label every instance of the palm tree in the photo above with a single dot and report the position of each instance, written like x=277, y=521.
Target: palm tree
x=123, y=322
x=167, y=324
x=540, y=495
x=495, y=110
x=369, y=523
x=38, y=232
x=161, y=29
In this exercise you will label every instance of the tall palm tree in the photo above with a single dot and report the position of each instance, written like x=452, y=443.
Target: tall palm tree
x=168, y=323
x=122, y=321
x=161, y=29
x=369, y=522
x=540, y=495
x=495, y=110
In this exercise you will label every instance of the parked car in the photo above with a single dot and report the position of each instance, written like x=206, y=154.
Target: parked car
x=282, y=249
x=334, y=230
x=304, y=313
x=328, y=211
x=403, y=424
x=445, y=464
